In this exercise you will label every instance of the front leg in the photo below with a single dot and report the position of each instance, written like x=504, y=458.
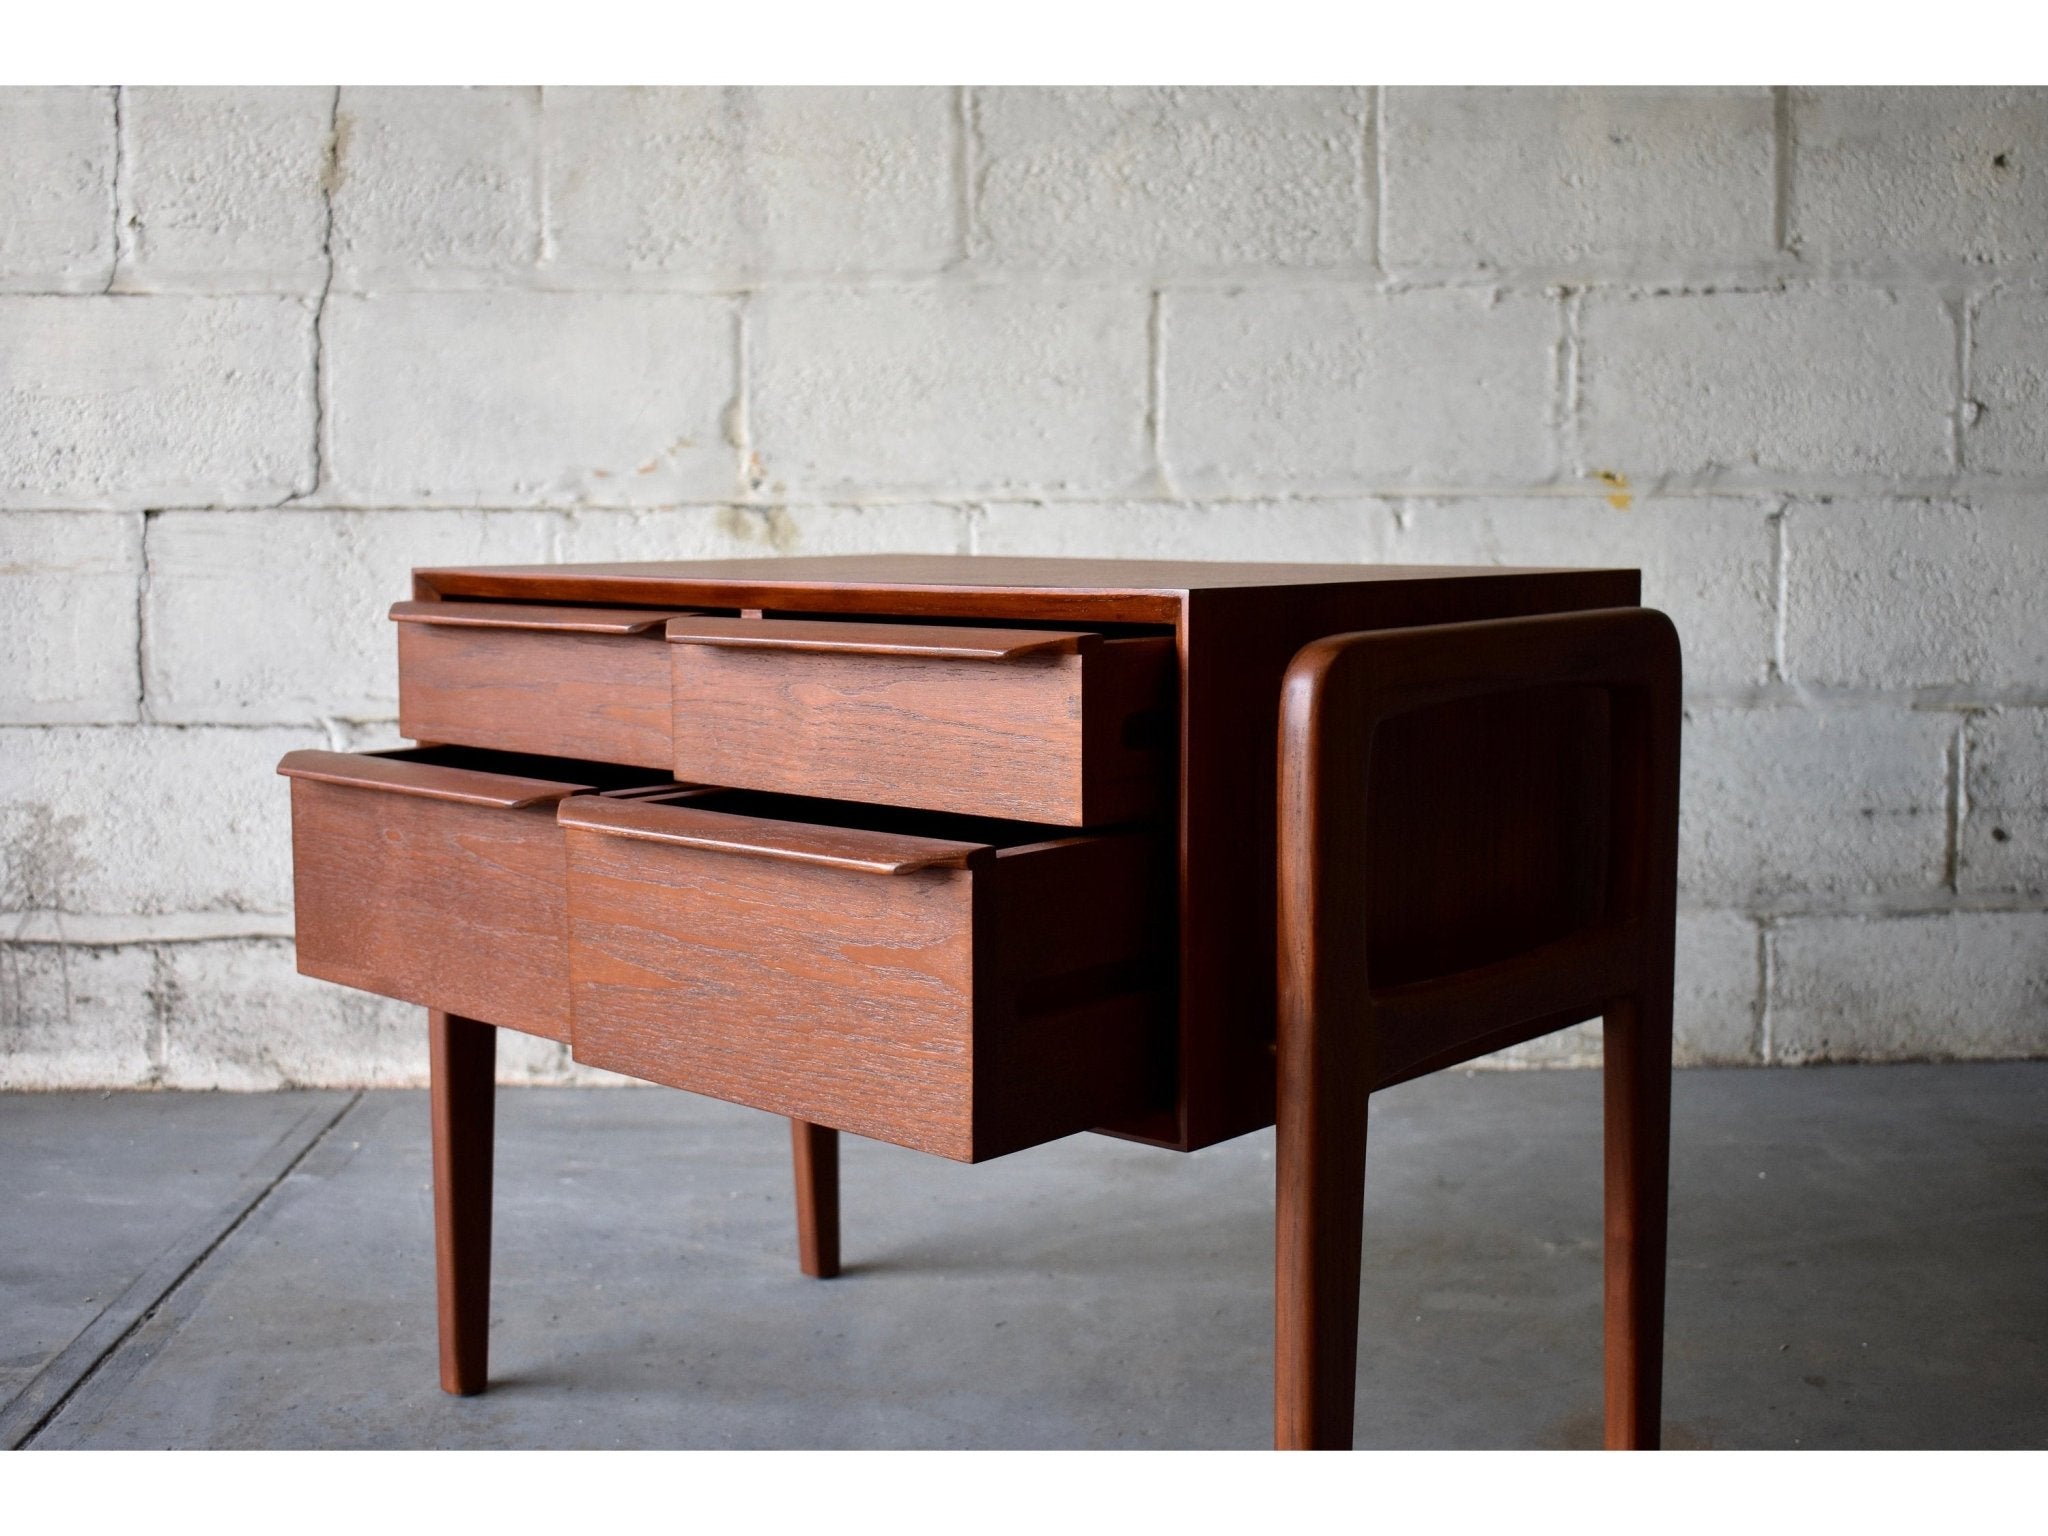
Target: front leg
x=815, y=1151
x=463, y=1056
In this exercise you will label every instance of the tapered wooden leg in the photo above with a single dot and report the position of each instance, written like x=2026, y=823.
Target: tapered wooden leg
x=463, y=1067
x=1320, y=1211
x=815, y=1152
x=1638, y=1092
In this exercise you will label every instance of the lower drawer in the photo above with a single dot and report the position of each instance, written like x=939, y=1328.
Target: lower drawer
x=435, y=875
x=966, y=988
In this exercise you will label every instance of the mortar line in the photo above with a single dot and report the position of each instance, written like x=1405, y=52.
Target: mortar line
x=1781, y=166
x=1378, y=215
x=740, y=414
x=1155, y=389
x=1955, y=807
x=118, y=188
x=1570, y=459
x=84, y=1357
x=328, y=176
x=142, y=584
x=543, y=212
x=1959, y=424
x=964, y=169
x=1781, y=586
x=1767, y=981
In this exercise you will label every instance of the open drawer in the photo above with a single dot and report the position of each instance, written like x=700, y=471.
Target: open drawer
x=1057, y=727
x=520, y=677
x=435, y=875
x=960, y=987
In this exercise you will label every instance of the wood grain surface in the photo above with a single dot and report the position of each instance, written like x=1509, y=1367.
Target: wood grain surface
x=565, y=693
x=1568, y=915
x=458, y=907
x=1035, y=735
x=889, y=1005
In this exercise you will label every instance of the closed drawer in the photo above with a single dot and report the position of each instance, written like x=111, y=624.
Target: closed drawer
x=515, y=677
x=436, y=876
x=1061, y=728
x=964, y=989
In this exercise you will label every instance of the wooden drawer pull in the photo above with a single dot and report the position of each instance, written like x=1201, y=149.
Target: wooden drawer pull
x=577, y=621
x=855, y=848
x=431, y=781
x=931, y=640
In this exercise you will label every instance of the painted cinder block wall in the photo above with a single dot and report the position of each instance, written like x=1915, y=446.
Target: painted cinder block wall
x=263, y=350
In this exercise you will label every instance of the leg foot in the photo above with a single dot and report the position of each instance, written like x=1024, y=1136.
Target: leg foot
x=1638, y=1111
x=1320, y=1215
x=463, y=1061
x=815, y=1152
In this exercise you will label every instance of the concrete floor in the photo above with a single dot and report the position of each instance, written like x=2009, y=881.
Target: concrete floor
x=1859, y=1258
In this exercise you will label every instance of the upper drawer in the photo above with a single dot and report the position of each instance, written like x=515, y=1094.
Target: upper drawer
x=567, y=682
x=1048, y=726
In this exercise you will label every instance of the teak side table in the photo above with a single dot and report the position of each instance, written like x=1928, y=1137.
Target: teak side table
x=961, y=853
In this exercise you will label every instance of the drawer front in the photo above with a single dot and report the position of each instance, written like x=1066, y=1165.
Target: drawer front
x=437, y=884
x=1057, y=728
x=564, y=682
x=916, y=990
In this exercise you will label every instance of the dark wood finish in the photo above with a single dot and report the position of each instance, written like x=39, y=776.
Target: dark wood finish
x=839, y=638
x=689, y=826
x=535, y=616
x=1046, y=726
x=462, y=1062
x=1237, y=627
x=568, y=682
x=967, y=1005
x=1542, y=937
x=814, y=1154
x=439, y=885
x=429, y=781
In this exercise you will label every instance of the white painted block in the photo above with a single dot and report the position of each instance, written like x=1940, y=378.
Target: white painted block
x=239, y=1016
x=261, y=618
x=145, y=820
x=223, y=187
x=736, y=182
x=511, y=399
x=68, y=583
x=1347, y=388
x=1789, y=807
x=56, y=188
x=435, y=184
x=1311, y=532
x=75, y=1017
x=1911, y=594
x=1885, y=178
x=1174, y=177
x=1577, y=183
x=1940, y=986
x=742, y=532
x=1706, y=561
x=2008, y=431
x=2004, y=842
x=949, y=389
x=1767, y=387
x=132, y=402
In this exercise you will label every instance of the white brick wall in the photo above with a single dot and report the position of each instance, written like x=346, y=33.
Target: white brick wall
x=263, y=350
x=56, y=188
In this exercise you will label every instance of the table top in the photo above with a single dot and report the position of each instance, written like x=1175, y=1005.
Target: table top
x=1150, y=588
